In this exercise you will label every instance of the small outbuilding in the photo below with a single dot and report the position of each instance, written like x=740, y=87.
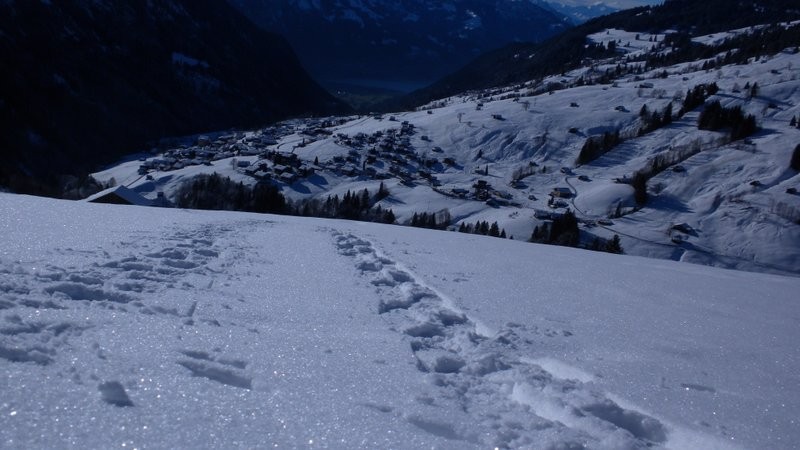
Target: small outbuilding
x=683, y=227
x=120, y=195
x=561, y=192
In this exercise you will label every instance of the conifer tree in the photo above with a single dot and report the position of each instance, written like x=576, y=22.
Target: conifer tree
x=431, y=222
x=535, y=234
x=388, y=216
x=639, y=183
x=494, y=230
x=364, y=199
x=795, y=164
x=382, y=192
x=564, y=230
x=754, y=90
x=614, y=246
x=484, y=229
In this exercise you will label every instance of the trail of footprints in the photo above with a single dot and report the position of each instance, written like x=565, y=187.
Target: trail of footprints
x=123, y=284
x=115, y=284
x=489, y=376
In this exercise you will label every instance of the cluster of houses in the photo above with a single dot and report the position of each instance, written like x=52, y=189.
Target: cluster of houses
x=380, y=155
x=284, y=167
x=482, y=191
x=204, y=150
x=385, y=154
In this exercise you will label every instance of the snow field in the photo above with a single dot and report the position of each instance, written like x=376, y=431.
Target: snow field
x=168, y=328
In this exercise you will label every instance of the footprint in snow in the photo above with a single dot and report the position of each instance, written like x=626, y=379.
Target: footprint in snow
x=221, y=370
x=113, y=393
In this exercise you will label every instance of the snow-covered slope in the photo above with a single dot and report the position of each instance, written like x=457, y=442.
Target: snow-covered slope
x=732, y=196
x=137, y=327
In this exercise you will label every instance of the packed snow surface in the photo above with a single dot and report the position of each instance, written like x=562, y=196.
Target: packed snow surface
x=133, y=327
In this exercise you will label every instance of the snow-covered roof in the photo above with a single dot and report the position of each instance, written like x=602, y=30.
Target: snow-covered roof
x=122, y=192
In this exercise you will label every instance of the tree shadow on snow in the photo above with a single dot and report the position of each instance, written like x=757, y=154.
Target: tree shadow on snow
x=300, y=188
x=665, y=202
x=317, y=180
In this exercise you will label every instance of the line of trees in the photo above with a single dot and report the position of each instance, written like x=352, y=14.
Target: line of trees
x=612, y=245
x=483, y=228
x=713, y=117
x=787, y=211
x=564, y=231
x=434, y=221
x=716, y=117
x=697, y=96
x=597, y=146
x=523, y=172
x=215, y=192
x=654, y=120
x=734, y=50
x=356, y=205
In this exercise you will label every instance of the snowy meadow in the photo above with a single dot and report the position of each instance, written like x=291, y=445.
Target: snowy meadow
x=130, y=327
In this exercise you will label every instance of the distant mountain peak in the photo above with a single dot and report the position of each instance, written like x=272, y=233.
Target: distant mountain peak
x=577, y=11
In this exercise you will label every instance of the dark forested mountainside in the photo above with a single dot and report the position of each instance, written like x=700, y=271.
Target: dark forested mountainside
x=84, y=82
x=394, y=44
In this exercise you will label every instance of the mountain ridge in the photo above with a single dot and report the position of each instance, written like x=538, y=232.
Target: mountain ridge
x=522, y=62
x=414, y=42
